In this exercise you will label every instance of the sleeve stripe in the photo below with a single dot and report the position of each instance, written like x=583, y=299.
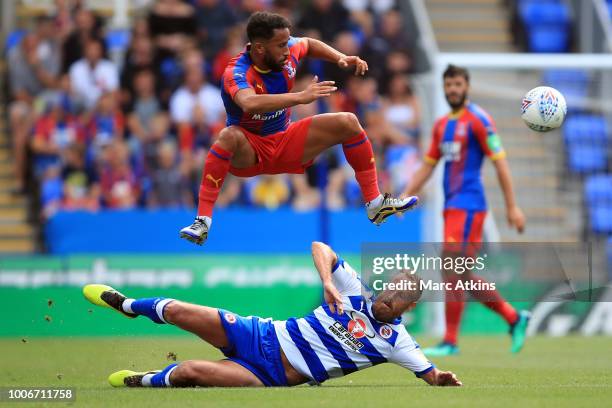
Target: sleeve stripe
x=429, y=160
x=499, y=155
x=422, y=373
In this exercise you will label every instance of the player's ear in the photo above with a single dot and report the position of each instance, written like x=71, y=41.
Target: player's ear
x=258, y=47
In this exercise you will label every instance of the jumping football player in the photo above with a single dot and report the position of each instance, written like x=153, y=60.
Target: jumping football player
x=347, y=333
x=463, y=138
x=259, y=137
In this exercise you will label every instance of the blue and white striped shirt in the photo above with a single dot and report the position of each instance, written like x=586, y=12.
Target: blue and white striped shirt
x=325, y=345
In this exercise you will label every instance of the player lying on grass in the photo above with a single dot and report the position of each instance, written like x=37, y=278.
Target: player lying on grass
x=260, y=138
x=347, y=333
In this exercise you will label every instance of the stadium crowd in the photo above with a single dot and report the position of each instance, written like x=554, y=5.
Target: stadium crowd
x=94, y=129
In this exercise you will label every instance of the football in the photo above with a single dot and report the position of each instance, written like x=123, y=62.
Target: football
x=543, y=109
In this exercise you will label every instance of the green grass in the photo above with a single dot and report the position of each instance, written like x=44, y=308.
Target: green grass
x=557, y=372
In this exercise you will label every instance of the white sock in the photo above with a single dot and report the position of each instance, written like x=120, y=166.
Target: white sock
x=375, y=202
x=146, y=380
x=159, y=309
x=207, y=220
x=127, y=305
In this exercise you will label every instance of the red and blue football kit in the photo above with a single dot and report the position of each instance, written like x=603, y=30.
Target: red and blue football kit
x=278, y=143
x=463, y=140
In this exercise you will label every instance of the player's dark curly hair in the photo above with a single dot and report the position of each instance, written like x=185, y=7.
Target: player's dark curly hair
x=261, y=25
x=453, y=71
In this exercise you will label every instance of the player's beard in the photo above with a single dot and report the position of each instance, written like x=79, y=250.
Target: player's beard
x=457, y=104
x=276, y=66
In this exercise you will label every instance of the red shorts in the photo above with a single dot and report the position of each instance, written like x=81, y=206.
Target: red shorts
x=278, y=153
x=463, y=226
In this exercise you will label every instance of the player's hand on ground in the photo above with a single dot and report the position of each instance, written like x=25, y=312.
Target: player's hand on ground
x=448, y=379
x=333, y=298
x=361, y=67
x=516, y=219
x=316, y=90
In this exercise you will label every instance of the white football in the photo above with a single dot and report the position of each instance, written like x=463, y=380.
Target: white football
x=543, y=109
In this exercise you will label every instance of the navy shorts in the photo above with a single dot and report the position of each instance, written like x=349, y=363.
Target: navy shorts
x=253, y=344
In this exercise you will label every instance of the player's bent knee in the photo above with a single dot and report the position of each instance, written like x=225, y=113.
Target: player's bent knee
x=230, y=138
x=350, y=124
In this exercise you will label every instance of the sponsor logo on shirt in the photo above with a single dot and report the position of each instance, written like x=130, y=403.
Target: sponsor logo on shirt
x=451, y=150
x=267, y=116
x=345, y=336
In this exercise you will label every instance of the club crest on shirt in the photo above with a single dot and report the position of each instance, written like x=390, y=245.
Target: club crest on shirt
x=290, y=70
x=461, y=129
x=230, y=318
x=385, y=332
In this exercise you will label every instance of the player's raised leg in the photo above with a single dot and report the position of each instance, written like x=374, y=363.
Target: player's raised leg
x=231, y=147
x=202, y=321
x=330, y=129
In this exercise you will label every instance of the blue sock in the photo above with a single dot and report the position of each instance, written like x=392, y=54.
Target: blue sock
x=153, y=308
x=161, y=379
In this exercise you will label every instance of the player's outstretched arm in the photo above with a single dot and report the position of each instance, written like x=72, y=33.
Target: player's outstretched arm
x=251, y=102
x=442, y=378
x=324, y=259
x=419, y=179
x=514, y=214
x=318, y=49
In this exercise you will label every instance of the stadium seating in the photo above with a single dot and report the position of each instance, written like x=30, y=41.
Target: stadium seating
x=586, y=159
x=572, y=83
x=547, y=24
x=585, y=130
x=601, y=219
x=598, y=190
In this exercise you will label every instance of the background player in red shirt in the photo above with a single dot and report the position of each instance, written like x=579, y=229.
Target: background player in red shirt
x=259, y=137
x=463, y=138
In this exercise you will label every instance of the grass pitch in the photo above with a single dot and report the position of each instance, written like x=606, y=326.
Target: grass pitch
x=555, y=372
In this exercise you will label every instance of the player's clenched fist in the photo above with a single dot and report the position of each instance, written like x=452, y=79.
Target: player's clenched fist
x=316, y=90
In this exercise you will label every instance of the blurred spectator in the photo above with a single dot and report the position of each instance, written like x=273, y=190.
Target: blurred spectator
x=196, y=107
x=81, y=190
x=158, y=133
x=51, y=191
x=169, y=186
x=269, y=191
x=215, y=19
x=145, y=104
x=173, y=26
x=33, y=67
x=140, y=56
x=54, y=131
x=234, y=44
x=346, y=43
x=327, y=17
x=377, y=6
x=119, y=185
x=105, y=126
x=87, y=26
x=93, y=76
x=402, y=108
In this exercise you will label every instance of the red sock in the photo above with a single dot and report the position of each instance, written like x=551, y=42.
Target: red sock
x=215, y=169
x=453, y=309
x=359, y=154
x=494, y=301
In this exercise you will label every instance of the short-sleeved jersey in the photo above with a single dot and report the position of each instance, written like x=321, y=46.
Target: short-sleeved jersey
x=463, y=139
x=242, y=73
x=325, y=345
